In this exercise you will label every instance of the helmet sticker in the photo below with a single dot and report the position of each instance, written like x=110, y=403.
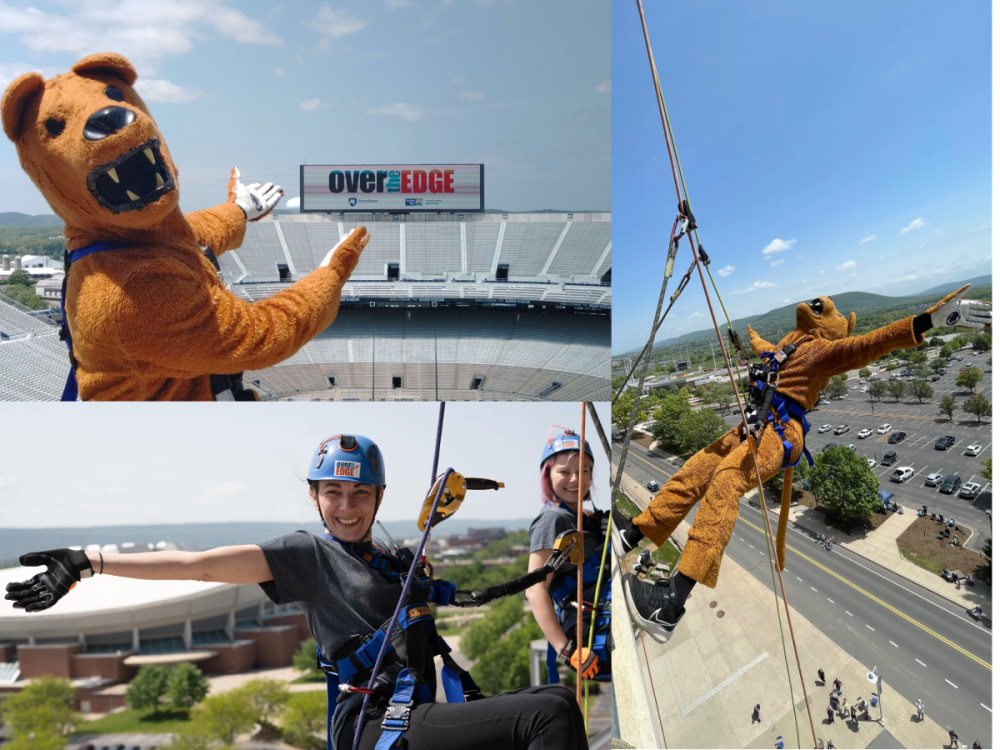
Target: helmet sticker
x=350, y=469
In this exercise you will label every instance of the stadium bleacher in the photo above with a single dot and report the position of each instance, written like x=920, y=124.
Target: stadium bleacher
x=520, y=302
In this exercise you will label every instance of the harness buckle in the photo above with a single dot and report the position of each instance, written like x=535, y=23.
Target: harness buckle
x=397, y=716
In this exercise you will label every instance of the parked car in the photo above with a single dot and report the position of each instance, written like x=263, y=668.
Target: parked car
x=935, y=378
x=944, y=443
x=841, y=429
x=901, y=474
x=871, y=463
x=854, y=388
x=951, y=483
x=825, y=402
x=864, y=389
x=841, y=398
x=829, y=445
x=933, y=480
x=973, y=450
x=825, y=428
x=889, y=458
x=653, y=485
x=969, y=490
x=884, y=428
x=897, y=437
x=865, y=433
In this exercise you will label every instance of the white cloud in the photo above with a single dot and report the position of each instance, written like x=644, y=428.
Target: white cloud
x=395, y=4
x=867, y=238
x=696, y=315
x=472, y=96
x=336, y=23
x=847, y=266
x=224, y=489
x=980, y=227
x=603, y=88
x=755, y=286
x=778, y=262
x=776, y=246
x=310, y=104
x=145, y=33
x=10, y=71
x=785, y=301
x=280, y=73
x=915, y=224
x=408, y=112
x=881, y=257
x=853, y=274
x=726, y=271
x=154, y=90
x=9, y=479
x=459, y=79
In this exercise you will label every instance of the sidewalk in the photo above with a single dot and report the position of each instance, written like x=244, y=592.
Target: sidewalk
x=879, y=546
x=726, y=655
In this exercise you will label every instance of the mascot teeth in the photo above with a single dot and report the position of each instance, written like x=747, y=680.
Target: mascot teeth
x=113, y=175
x=149, y=155
x=131, y=182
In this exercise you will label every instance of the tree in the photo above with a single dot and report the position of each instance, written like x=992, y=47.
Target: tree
x=305, y=718
x=506, y=665
x=799, y=475
x=842, y=482
x=987, y=471
x=502, y=616
x=305, y=661
x=148, y=687
x=896, y=388
x=947, y=405
x=936, y=341
x=921, y=389
x=978, y=405
x=44, y=708
x=226, y=715
x=878, y=390
x=24, y=295
x=916, y=357
x=721, y=394
x=968, y=378
x=938, y=363
x=983, y=342
x=19, y=277
x=924, y=372
x=698, y=429
x=673, y=406
x=186, y=685
x=864, y=372
x=267, y=697
x=837, y=387
x=194, y=736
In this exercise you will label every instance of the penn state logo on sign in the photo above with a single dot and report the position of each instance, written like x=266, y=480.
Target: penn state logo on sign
x=351, y=469
x=954, y=318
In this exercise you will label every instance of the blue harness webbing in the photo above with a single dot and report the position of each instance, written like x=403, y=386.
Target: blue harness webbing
x=786, y=409
x=71, y=390
x=355, y=667
x=565, y=593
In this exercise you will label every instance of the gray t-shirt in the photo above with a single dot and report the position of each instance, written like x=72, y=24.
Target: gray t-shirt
x=553, y=521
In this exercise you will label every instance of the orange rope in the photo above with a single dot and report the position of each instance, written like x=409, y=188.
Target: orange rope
x=579, y=567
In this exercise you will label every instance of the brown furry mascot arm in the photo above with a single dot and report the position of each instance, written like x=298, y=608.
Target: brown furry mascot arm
x=854, y=352
x=205, y=328
x=221, y=227
x=758, y=344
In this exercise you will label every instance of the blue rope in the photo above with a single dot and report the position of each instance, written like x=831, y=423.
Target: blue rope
x=409, y=579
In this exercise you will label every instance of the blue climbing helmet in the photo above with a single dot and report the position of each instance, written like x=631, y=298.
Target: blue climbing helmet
x=348, y=458
x=567, y=440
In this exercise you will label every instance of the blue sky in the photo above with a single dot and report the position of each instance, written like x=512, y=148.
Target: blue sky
x=827, y=147
x=190, y=463
x=523, y=87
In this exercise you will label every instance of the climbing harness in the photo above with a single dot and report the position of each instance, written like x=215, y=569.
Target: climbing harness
x=224, y=387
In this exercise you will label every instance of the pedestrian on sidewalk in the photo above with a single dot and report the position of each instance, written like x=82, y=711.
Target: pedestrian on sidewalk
x=953, y=736
x=822, y=675
x=780, y=744
x=854, y=715
x=976, y=745
x=837, y=684
x=830, y=745
x=829, y=713
x=755, y=717
x=920, y=710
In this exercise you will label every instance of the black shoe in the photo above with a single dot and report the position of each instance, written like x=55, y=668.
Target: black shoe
x=654, y=607
x=624, y=536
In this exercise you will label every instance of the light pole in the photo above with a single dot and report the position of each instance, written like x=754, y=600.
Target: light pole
x=874, y=679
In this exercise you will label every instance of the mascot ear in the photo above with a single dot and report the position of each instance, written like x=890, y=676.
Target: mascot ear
x=15, y=101
x=851, y=320
x=107, y=62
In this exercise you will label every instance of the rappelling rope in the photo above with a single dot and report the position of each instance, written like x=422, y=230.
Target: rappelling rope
x=682, y=200
x=579, y=565
x=387, y=641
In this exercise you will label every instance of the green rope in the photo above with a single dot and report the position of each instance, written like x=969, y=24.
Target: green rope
x=763, y=508
x=593, y=617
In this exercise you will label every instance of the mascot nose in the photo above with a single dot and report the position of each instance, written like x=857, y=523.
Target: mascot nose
x=107, y=122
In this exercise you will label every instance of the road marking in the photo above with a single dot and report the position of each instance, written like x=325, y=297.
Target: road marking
x=722, y=685
x=894, y=644
x=761, y=554
x=751, y=546
x=920, y=662
x=952, y=684
x=813, y=589
x=849, y=613
x=798, y=579
x=830, y=600
x=884, y=604
x=869, y=627
x=986, y=707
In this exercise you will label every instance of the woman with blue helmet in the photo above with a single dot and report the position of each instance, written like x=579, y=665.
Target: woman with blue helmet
x=348, y=587
x=554, y=602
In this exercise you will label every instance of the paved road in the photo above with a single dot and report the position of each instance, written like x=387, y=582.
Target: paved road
x=923, y=425
x=924, y=645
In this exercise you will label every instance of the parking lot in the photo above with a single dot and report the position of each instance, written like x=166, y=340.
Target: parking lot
x=923, y=425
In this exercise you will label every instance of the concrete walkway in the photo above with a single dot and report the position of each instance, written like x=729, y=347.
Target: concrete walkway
x=726, y=655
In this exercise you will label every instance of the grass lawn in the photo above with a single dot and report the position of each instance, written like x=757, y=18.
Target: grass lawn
x=311, y=676
x=133, y=721
x=806, y=499
x=920, y=545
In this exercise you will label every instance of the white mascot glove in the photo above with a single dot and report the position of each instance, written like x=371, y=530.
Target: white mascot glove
x=362, y=236
x=955, y=311
x=256, y=199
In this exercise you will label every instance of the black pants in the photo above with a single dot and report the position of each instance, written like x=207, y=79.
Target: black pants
x=535, y=718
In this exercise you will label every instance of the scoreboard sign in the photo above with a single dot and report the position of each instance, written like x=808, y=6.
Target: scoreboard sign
x=395, y=188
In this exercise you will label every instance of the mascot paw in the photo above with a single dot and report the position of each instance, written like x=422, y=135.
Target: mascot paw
x=344, y=255
x=955, y=311
x=255, y=199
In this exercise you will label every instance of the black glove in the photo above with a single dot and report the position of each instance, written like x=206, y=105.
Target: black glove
x=65, y=567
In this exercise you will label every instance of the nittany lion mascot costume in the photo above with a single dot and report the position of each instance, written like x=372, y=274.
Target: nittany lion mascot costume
x=782, y=389
x=146, y=315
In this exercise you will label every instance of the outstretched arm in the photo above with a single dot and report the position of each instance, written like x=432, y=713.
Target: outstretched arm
x=243, y=563
x=221, y=227
x=841, y=356
x=758, y=344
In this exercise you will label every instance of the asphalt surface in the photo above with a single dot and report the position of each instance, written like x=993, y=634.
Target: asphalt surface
x=923, y=645
x=923, y=425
